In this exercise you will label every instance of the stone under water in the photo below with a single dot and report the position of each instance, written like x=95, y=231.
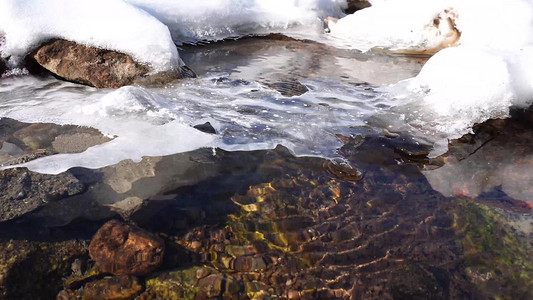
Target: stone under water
x=123, y=249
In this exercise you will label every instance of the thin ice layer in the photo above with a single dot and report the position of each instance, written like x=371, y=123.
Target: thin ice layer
x=108, y=24
x=193, y=21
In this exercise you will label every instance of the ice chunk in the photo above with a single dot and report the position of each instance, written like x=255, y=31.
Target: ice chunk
x=109, y=24
x=132, y=102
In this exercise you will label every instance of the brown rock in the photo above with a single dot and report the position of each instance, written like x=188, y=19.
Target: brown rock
x=114, y=288
x=120, y=249
x=88, y=65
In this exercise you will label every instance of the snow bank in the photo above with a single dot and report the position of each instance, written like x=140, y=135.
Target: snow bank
x=193, y=21
x=108, y=24
x=489, y=71
x=408, y=24
x=139, y=27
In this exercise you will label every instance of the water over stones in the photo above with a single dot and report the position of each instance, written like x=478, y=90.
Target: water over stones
x=24, y=191
x=122, y=287
x=120, y=249
x=289, y=88
x=22, y=142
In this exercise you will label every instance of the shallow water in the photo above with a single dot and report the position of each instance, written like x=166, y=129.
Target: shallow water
x=314, y=183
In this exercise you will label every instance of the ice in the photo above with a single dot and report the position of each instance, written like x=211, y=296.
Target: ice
x=200, y=20
x=158, y=121
x=490, y=71
x=484, y=74
x=139, y=27
x=461, y=86
x=108, y=24
x=143, y=139
x=132, y=102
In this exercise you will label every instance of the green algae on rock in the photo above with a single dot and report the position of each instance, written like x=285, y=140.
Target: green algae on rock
x=499, y=261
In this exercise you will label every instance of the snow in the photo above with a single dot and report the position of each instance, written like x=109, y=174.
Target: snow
x=485, y=73
x=461, y=86
x=408, y=24
x=199, y=20
x=108, y=24
x=139, y=27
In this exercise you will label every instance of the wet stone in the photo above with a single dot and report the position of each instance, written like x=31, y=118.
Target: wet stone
x=206, y=127
x=120, y=248
x=24, y=191
x=289, y=88
x=88, y=65
x=118, y=287
x=21, y=142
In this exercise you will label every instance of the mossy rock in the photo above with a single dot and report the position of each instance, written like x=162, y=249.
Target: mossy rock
x=499, y=261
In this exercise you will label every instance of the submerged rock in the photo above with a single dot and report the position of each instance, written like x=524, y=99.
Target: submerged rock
x=35, y=270
x=24, y=191
x=498, y=257
x=120, y=249
x=21, y=142
x=110, y=288
x=289, y=88
x=93, y=66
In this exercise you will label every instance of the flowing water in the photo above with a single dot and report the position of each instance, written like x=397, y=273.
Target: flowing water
x=311, y=181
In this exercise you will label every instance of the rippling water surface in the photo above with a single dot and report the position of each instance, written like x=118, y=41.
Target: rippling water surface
x=256, y=93
x=311, y=180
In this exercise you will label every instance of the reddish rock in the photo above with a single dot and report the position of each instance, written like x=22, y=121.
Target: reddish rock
x=88, y=65
x=121, y=249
